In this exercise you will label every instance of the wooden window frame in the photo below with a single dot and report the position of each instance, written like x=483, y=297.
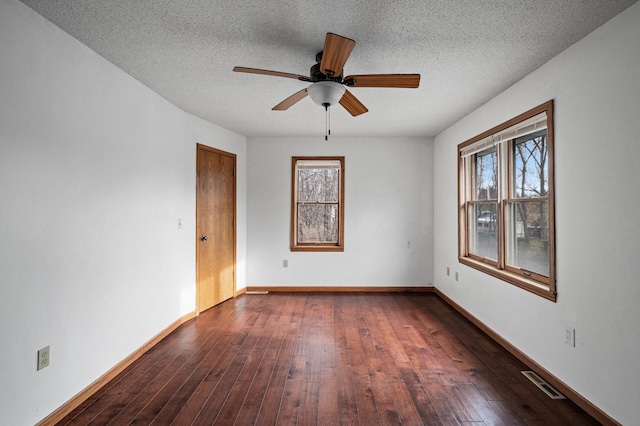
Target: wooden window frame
x=538, y=284
x=316, y=247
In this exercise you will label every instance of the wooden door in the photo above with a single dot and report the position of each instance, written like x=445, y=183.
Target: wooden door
x=215, y=227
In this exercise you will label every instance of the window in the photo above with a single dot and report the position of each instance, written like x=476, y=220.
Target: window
x=506, y=204
x=317, y=212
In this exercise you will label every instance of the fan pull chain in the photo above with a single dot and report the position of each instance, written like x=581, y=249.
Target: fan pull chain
x=327, y=122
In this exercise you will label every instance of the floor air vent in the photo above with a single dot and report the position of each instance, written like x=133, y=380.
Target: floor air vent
x=256, y=292
x=543, y=385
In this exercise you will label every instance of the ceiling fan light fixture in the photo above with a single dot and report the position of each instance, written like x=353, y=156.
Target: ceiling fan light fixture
x=326, y=93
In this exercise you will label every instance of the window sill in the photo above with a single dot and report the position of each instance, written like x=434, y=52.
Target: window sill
x=318, y=248
x=515, y=279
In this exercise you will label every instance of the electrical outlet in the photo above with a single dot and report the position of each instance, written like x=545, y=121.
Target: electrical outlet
x=448, y=271
x=285, y=263
x=456, y=275
x=408, y=245
x=43, y=358
x=570, y=336
x=179, y=223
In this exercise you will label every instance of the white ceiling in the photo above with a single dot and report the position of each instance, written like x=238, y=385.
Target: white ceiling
x=467, y=52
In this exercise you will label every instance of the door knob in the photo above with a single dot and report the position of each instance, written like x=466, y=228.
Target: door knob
x=204, y=238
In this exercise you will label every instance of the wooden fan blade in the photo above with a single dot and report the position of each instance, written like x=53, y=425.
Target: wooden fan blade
x=291, y=100
x=407, y=81
x=352, y=104
x=273, y=73
x=336, y=52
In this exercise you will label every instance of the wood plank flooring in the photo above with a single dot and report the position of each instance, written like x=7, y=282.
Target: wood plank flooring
x=326, y=359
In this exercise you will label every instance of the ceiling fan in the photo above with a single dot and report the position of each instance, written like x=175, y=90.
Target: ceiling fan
x=328, y=84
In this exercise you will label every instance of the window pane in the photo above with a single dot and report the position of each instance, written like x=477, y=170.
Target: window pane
x=483, y=230
x=318, y=185
x=531, y=171
x=486, y=175
x=318, y=223
x=528, y=236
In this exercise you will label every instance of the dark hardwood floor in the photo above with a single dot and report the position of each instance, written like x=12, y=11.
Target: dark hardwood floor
x=326, y=358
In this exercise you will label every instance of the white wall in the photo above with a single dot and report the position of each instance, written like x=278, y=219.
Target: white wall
x=596, y=88
x=388, y=202
x=95, y=170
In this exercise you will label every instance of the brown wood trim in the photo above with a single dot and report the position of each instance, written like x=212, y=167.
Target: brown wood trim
x=524, y=273
x=322, y=247
x=547, y=106
x=462, y=208
x=309, y=247
x=216, y=150
x=551, y=191
x=82, y=396
x=538, y=284
x=342, y=289
x=484, y=260
x=510, y=277
x=574, y=396
x=292, y=233
x=527, y=200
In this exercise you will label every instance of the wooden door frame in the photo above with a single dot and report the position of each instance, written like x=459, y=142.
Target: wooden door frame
x=199, y=148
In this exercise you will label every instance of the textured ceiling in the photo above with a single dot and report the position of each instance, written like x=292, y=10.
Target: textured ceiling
x=467, y=52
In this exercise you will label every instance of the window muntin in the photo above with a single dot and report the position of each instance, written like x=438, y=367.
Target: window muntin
x=317, y=199
x=506, y=201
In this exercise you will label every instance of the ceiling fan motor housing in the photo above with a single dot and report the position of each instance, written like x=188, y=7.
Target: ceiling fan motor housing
x=316, y=75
